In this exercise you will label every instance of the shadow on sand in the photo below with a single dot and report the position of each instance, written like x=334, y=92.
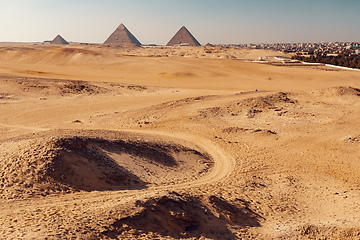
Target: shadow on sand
x=85, y=163
x=178, y=216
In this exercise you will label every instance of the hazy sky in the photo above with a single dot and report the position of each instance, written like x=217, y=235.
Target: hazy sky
x=156, y=21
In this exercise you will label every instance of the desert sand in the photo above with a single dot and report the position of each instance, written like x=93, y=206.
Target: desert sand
x=101, y=142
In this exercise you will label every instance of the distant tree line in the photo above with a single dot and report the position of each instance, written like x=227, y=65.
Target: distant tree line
x=344, y=59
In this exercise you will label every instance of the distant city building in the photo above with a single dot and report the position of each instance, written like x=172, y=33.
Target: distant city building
x=329, y=48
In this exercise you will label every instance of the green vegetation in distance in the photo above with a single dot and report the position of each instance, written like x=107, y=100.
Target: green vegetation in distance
x=344, y=59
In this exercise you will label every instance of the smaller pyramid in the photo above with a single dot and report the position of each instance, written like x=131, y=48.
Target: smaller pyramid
x=59, y=40
x=122, y=36
x=183, y=37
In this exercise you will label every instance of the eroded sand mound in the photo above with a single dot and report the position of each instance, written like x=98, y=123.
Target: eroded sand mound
x=178, y=215
x=338, y=92
x=250, y=106
x=15, y=87
x=53, y=164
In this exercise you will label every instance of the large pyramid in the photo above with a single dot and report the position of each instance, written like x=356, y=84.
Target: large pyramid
x=183, y=37
x=122, y=36
x=59, y=40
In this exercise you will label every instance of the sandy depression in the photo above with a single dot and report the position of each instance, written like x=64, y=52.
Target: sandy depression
x=175, y=143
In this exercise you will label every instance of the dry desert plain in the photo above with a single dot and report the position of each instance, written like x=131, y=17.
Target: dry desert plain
x=102, y=142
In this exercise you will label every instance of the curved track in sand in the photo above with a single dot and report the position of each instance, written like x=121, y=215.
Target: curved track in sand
x=223, y=166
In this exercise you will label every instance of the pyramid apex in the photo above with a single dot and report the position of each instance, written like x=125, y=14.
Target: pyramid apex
x=183, y=37
x=59, y=40
x=121, y=26
x=122, y=36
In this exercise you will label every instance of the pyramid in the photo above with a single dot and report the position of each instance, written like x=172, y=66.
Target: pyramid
x=183, y=37
x=122, y=36
x=59, y=40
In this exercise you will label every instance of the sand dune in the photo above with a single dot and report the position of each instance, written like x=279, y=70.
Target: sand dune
x=102, y=142
x=166, y=70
